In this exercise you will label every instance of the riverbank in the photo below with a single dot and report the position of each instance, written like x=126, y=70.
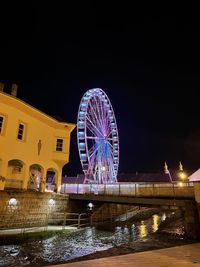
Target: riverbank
x=186, y=255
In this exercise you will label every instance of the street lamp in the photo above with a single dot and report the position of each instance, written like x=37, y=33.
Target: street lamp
x=90, y=207
x=181, y=174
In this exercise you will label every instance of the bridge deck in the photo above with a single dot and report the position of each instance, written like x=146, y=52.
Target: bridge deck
x=153, y=190
x=187, y=255
x=132, y=200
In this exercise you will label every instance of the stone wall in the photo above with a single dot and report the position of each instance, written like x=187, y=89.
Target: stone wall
x=108, y=211
x=20, y=209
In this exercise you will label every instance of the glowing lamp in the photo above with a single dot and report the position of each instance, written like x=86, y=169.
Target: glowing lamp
x=182, y=175
x=180, y=184
x=51, y=202
x=12, y=202
x=103, y=168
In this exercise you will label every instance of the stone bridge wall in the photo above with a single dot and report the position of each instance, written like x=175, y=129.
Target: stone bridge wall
x=31, y=209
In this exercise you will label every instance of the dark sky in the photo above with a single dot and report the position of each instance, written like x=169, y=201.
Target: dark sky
x=147, y=65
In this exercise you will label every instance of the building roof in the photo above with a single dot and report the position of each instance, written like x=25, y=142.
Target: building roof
x=195, y=176
x=144, y=177
x=152, y=177
x=24, y=107
x=135, y=177
x=79, y=179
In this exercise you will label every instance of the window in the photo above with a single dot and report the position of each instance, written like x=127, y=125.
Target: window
x=20, y=135
x=59, y=144
x=1, y=124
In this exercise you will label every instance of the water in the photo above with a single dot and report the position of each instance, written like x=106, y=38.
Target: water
x=61, y=248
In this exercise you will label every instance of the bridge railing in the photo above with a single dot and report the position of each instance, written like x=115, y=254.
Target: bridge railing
x=175, y=189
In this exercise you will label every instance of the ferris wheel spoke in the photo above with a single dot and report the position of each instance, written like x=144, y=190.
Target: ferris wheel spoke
x=102, y=117
x=92, y=118
x=94, y=107
x=95, y=128
x=92, y=148
x=92, y=130
x=106, y=118
x=103, y=109
x=94, y=137
x=110, y=151
x=94, y=113
x=91, y=167
x=97, y=107
x=109, y=133
x=92, y=152
x=111, y=172
x=110, y=145
x=108, y=123
x=109, y=130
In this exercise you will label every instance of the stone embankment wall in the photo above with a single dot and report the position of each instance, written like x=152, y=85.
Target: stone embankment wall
x=110, y=211
x=28, y=209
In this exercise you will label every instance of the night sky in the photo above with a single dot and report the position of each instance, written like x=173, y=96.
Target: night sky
x=147, y=65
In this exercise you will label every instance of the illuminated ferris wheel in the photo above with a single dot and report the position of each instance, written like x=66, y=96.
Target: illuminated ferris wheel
x=97, y=137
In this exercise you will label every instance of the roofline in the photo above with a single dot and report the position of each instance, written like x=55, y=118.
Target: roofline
x=15, y=99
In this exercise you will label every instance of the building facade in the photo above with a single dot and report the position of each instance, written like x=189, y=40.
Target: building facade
x=33, y=145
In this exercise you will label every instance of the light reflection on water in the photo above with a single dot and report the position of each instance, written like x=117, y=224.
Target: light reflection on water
x=155, y=223
x=143, y=229
x=61, y=248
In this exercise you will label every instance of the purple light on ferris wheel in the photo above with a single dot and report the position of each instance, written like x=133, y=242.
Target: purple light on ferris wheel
x=97, y=136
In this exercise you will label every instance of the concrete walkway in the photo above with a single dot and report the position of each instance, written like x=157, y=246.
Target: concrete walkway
x=181, y=256
x=35, y=229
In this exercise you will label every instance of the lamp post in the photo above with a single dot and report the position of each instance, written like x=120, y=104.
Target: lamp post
x=168, y=172
x=181, y=174
x=170, y=177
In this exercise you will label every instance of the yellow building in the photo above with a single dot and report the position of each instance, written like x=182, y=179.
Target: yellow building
x=33, y=145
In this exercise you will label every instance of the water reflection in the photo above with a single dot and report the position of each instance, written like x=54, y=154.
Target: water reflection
x=64, y=247
x=133, y=232
x=143, y=229
x=155, y=223
x=89, y=234
x=163, y=217
x=122, y=234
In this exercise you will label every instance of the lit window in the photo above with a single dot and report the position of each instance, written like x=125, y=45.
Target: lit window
x=20, y=135
x=59, y=145
x=1, y=124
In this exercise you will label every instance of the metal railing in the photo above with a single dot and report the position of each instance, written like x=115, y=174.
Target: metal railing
x=69, y=219
x=175, y=189
x=20, y=223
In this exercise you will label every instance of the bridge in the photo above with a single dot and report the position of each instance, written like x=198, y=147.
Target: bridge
x=181, y=195
x=169, y=190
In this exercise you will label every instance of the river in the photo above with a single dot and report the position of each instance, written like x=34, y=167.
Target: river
x=72, y=246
